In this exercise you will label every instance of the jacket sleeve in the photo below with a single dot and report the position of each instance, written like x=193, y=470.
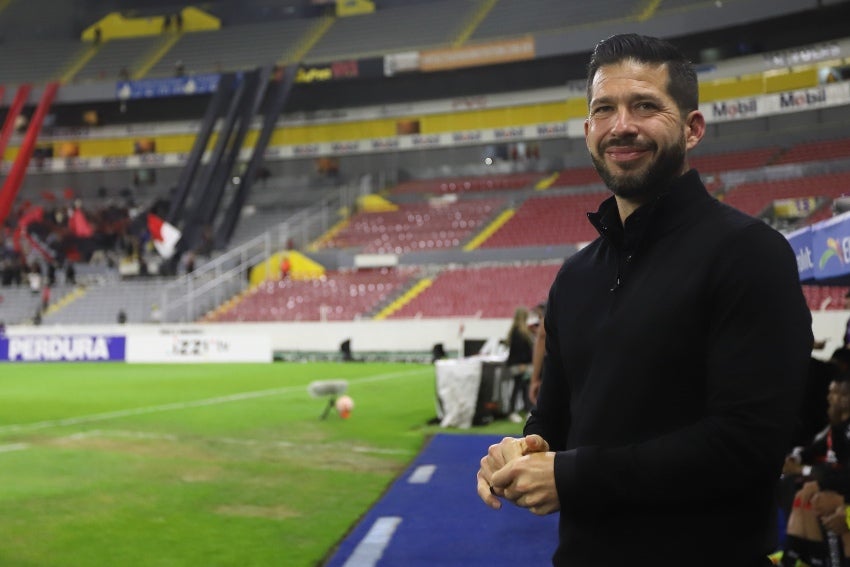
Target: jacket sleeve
x=757, y=345
x=551, y=418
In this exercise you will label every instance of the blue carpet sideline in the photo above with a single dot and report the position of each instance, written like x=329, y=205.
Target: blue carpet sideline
x=440, y=521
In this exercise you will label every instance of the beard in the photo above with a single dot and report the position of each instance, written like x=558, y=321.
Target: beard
x=646, y=182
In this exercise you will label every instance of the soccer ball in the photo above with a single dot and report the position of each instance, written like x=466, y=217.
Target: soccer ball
x=344, y=405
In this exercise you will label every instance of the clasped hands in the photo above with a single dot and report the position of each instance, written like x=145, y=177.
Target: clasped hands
x=520, y=470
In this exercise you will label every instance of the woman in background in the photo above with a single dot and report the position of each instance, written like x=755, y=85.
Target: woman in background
x=520, y=345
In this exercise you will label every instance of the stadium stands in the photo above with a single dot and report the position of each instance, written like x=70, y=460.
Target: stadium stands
x=397, y=28
x=576, y=176
x=482, y=291
x=101, y=303
x=415, y=227
x=816, y=151
x=119, y=57
x=513, y=17
x=479, y=183
x=730, y=161
x=336, y=296
x=753, y=198
x=822, y=297
x=232, y=49
x=549, y=220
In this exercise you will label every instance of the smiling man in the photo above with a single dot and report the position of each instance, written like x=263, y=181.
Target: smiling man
x=676, y=346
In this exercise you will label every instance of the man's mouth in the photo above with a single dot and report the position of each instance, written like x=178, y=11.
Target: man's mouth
x=625, y=153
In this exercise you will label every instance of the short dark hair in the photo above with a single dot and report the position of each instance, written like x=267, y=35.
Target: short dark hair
x=683, y=85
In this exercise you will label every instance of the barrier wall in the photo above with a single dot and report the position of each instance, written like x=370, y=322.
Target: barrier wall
x=255, y=342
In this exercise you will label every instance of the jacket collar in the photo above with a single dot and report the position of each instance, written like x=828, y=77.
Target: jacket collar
x=674, y=206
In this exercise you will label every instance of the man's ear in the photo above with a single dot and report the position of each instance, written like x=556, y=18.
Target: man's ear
x=694, y=128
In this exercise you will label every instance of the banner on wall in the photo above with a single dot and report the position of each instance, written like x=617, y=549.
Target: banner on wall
x=801, y=242
x=176, y=346
x=823, y=251
x=161, y=88
x=491, y=53
x=62, y=348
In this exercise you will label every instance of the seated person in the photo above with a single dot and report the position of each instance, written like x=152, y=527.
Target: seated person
x=824, y=469
x=817, y=533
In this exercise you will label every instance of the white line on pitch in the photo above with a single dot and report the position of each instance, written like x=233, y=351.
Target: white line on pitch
x=422, y=474
x=372, y=546
x=19, y=427
x=13, y=447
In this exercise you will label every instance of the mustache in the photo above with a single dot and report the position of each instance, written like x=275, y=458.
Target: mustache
x=627, y=143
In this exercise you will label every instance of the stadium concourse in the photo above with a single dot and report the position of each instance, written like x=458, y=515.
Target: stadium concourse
x=431, y=516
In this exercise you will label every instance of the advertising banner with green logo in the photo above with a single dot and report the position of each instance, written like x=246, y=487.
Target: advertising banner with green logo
x=831, y=249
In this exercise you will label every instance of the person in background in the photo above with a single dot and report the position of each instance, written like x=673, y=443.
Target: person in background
x=677, y=344
x=537, y=356
x=823, y=470
x=520, y=344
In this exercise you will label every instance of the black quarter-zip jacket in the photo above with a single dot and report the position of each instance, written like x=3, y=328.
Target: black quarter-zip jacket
x=676, y=351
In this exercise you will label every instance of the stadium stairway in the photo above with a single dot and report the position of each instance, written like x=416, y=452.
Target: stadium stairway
x=405, y=297
x=497, y=223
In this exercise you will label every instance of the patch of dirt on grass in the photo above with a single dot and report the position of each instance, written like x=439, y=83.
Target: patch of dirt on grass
x=343, y=458
x=207, y=475
x=268, y=512
x=160, y=449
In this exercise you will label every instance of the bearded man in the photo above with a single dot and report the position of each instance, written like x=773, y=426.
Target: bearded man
x=677, y=344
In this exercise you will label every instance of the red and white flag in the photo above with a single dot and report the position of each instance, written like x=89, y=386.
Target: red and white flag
x=164, y=235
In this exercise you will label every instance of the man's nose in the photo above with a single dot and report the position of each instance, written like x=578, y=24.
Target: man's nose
x=624, y=122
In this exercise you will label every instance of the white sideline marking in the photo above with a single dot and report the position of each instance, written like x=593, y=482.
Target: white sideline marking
x=13, y=447
x=422, y=474
x=372, y=546
x=18, y=427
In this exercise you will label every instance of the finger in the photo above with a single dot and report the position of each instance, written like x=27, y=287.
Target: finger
x=502, y=479
x=512, y=449
x=535, y=444
x=486, y=494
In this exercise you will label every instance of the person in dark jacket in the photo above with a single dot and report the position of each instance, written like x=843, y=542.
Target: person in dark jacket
x=677, y=344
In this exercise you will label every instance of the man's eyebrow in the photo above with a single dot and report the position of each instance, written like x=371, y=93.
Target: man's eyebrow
x=630, y=98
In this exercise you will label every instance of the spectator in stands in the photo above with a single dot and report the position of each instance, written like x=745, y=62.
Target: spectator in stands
x=70, y=273
x=34, y=278
x=520, y=344
x=122, y=317
x=677, y=345
x=45, y=297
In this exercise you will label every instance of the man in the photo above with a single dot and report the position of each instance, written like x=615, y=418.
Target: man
x=822, y=467
x=676, y=346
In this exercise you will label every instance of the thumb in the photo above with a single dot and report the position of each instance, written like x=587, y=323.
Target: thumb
x=535, y=444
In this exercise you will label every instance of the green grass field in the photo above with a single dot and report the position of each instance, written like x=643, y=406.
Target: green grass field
x=190, y=465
